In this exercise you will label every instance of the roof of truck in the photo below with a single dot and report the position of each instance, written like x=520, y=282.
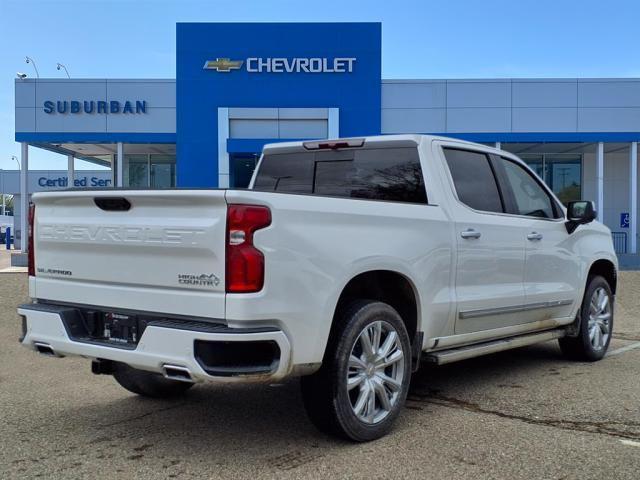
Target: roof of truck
x=378, y=140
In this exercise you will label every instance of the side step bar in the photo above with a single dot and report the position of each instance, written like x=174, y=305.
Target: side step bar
x=462, y=353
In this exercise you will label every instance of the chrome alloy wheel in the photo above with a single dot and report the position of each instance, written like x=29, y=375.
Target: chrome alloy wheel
x=375, y=373
x=599, y=318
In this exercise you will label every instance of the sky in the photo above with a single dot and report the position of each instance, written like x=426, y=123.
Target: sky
x=420, y=39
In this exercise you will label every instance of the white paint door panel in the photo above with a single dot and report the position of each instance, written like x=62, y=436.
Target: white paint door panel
x=490, y=246
x=489, y=273
x=553, y=273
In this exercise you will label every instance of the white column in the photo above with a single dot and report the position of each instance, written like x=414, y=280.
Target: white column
x=633, y=197
x=223, y=156
x=499, y=145
x=120, y=165
x=24, y=196
x=2, y=188
x=600, y=181
x=71, y=173
x=333, y=123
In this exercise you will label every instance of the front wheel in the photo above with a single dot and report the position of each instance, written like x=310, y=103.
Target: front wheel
x=363, y=382
x=596, y=323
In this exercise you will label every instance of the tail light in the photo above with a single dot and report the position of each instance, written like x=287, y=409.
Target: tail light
x=30, y=243
x=245, y=263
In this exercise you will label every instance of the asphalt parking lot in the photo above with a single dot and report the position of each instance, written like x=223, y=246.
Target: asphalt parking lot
x=527, y=413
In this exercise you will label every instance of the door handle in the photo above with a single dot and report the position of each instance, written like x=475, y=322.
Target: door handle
x=470, y=233
x=534, y=236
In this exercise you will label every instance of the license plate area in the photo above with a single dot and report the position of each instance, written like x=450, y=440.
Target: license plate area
x=119, y=328
x=105, y=327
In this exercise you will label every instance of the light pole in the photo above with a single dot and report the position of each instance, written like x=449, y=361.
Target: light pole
x=30, y=60
x=61, y=65
x=17, y=161
x=2, y=185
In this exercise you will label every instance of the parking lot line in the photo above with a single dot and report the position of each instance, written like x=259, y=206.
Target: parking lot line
x=624, y=349
x=630, y=443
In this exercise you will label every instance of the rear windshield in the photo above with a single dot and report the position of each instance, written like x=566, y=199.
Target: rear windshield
x=390, y=174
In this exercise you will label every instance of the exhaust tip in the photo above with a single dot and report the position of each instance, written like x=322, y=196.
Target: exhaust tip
x=44, y=349
x=176, y=372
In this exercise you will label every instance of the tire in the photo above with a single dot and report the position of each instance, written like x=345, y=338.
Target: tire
x=330, y=404
x=148, y=384
x=596, y=323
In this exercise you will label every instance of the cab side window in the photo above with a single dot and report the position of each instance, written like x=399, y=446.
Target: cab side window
x=474, y=180
x=529, y=198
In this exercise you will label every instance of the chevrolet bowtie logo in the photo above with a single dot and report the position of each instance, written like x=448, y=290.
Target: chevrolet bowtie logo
x=223, y=64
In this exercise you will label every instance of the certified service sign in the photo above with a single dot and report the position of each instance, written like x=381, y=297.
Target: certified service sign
x=284, y=65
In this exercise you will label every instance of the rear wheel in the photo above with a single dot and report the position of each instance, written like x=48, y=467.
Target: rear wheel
x=363, y=382
x=596, y=323
x=148, y=384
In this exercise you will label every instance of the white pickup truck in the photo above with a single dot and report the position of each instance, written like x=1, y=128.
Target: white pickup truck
x=345, y=262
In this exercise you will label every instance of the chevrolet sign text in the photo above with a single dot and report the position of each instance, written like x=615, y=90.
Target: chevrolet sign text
x=120, y=234
x=283, y=65
x=297, y=65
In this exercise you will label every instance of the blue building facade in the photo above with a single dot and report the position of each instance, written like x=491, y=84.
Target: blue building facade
x=283, y=66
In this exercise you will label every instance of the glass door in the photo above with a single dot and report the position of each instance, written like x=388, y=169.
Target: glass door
x=561, y=172
x=564, y=176
x=163, y=171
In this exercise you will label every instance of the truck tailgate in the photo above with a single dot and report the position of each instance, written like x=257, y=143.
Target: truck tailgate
x=94, y=250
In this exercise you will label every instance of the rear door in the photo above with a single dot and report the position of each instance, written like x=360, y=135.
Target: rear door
x=490, y=246
x=552, y=274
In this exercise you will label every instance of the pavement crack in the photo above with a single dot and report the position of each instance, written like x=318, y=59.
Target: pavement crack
x=142, y=415
x=292, y=460
x=626, y=336
x=611, y=428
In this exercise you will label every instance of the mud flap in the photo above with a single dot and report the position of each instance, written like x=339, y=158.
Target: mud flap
x=416, y=351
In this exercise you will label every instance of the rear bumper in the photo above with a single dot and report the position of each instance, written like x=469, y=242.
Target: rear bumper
x=160, y=346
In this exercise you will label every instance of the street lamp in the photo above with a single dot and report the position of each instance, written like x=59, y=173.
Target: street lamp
x=2, y=185
x=17, y=161
x=61, y=65
x=30, y=60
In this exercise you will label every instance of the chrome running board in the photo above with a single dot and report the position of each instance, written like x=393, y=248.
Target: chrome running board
x=462, y=353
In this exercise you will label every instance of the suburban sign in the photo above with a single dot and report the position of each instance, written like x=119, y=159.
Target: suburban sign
x=283, y=65
x=94, y=106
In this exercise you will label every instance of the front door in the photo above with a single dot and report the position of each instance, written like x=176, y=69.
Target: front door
x=552, y=270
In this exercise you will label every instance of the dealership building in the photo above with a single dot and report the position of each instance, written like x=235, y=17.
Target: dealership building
x=241, y=85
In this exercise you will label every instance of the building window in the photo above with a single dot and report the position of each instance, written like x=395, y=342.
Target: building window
x=149, y=170
x=137, y=168
x=162, y=171
x=242, y=167
x=561, y=172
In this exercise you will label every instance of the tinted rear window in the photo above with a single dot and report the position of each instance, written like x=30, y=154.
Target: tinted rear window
x=390, y=174
x=474, y=180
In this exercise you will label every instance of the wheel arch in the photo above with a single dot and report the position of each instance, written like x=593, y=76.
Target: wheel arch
x=388, y=286
x=605, y=268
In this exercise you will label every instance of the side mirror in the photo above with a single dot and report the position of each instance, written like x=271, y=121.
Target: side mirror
x=579, y=213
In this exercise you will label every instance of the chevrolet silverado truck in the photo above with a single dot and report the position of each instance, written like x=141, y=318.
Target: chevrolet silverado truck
x=346, y=262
